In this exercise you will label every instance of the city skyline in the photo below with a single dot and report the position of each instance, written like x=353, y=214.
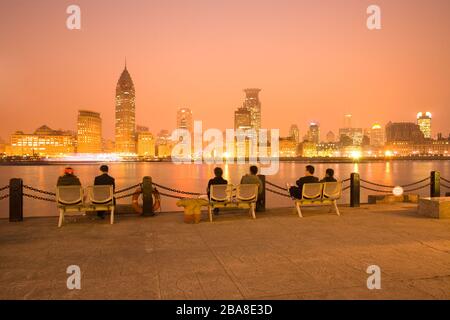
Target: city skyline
x=313, y=61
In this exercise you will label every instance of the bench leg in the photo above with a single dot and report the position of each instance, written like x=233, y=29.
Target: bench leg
x=299, y=211
x=112, y=215
x=336, y=208
x=61, y=218
x=210, y=213
x=252, y=210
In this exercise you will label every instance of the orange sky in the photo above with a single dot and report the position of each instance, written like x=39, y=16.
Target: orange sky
x=314, y=60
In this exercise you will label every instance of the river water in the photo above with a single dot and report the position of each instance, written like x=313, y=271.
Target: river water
x=192, y=177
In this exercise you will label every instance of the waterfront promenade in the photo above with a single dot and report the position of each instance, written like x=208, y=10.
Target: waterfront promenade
x=276, y=256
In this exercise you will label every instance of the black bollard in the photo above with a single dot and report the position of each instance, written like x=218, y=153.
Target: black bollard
x=261, y=203
x=147, y=197
x=15, y=200
x=355, y=185
x=435, y=181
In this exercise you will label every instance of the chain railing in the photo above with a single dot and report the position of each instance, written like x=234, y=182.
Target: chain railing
x=176, y=190
x=39, y=190
x=32, y=196
x=127, y=189
x=2, y=197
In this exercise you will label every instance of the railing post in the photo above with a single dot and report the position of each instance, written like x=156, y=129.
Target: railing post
x=435, y=181
x=261, y=203
x=355, y=184
x=147, y=197
x=15, y=200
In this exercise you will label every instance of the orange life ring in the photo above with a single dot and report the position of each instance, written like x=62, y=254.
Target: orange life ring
x=135, y=203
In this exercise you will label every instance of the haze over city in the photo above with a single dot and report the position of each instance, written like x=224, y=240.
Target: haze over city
x=313, y=61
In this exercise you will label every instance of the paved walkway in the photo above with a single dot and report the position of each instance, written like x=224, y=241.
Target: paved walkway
x=277, y=256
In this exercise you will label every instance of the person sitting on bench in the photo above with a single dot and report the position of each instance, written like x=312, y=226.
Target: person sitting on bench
x=218, y=172
x=296, y=191
x=104, y=180
x=68, y=179
x=329, y=176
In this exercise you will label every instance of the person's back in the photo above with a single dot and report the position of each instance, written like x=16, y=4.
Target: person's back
x=296, y=192
x=252, y=178
x=104, y=179
x=217, y=180
x=329, y=176
x=68, y=179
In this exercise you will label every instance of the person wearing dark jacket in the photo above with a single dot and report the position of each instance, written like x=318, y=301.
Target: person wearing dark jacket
x=68, y=178
x=218, y=172
x=104, y=180
x=329, y=176
x=296, y=191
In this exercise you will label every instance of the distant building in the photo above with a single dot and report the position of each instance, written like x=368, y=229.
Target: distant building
x=242, y=119
x=140, y=128
x=348, y=121
x=287, y=147
x=89, y=132
x=185, y=120
x=164, y=144
x=294, y=133
x=309, y=149
x=43, y=142
x=354, y=134
x=313, y=134
x=253, y=104
x=328, y=149
x=125, y=128
x=376, y=135
x=145, y=144
x=331, y=137
x=424, y=123
x=403, y=132
x=108, y=146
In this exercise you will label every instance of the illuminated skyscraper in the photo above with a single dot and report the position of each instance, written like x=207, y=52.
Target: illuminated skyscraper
x=184, y=119
x=347, y=121
x=376, y=135
x=294, y=133
x=242, y=119
x=424, y=122
x=89, y=132
x=125, y=114
x=331, y=137
x=313, y=133
x=253, y=104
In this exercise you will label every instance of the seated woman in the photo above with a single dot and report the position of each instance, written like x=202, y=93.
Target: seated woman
x=218, y=172
x=329, y=176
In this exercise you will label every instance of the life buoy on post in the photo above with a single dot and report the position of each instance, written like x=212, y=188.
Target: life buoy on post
x=135, y=200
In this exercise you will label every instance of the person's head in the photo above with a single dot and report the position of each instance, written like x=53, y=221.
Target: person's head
x=68, y=170
x=218, y=172
x=253, y=170
x=104, y=168
x=329, y=173
x=309, y=170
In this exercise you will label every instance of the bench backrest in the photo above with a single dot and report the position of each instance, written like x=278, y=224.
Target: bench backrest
x=312, y=191
x=100, y=194
x=220, y=192
x=69, y=195
x=247, y=192
x=332, y=190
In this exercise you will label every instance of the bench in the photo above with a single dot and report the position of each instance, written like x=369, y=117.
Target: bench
x=76, y=199
x=229, y=196
x=319, y=194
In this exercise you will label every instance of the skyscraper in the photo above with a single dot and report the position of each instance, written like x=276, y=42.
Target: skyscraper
x=89, y=132
x=313, y=133
x=253, y=104
x=294, y=133
x=424, y=122
x=184, y=119
x=377, y=135
x=242, y=119
x=125, y=114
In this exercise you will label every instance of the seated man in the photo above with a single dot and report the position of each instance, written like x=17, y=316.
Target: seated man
x=329, y=176
x=218, y=172
x=252, y=178
x=296, y=192
x=68, y=179
x=104, y=179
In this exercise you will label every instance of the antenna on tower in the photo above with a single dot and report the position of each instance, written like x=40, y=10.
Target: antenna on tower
x=125, y=62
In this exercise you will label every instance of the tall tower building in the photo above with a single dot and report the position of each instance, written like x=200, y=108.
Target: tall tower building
x=424, y=122
x=89, y=132
x=253, y=104
x=294, y=133
x=377, y=135
x=313, y=133
x=184, y=119
x=125, y=114
x=242, y=119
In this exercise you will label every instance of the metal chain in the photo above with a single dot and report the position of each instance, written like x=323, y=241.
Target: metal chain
x=127, y=189
x=39, y=191
x=278, y=193
x=38, y=198
x=346, y=188
x=448, y=181
x=445, y=186
x=375, y=190
x=4, y=197
x=414, y=183
x=403, y=186
x=4, y=188
x=171, y=196
x=127, y=195
x=274, y=185
x=418, y=188
x=177, y=191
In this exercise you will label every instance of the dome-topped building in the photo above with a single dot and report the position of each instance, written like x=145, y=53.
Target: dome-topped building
x=125, y=114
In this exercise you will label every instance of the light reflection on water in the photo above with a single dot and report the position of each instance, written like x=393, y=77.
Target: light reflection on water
x=195, y=177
